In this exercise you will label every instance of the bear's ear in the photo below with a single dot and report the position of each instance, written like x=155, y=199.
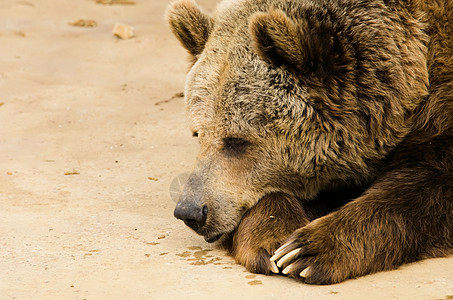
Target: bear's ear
x=279, y=40
x=190, y=25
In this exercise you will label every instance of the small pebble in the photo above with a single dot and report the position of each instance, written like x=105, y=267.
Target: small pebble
x=123, y=31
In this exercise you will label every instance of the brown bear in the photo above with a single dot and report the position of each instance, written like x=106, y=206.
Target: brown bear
x=325, y=130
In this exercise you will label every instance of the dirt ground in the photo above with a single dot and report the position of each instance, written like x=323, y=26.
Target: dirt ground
x=92, y=133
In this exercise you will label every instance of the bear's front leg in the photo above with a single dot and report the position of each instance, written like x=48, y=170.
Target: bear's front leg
x=328, y=250
x=356, y=240
x=405, y=216
x=263, y=229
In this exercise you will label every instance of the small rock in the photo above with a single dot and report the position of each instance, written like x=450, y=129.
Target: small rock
x=123, y=31
x=84, y=23
x=110, y=2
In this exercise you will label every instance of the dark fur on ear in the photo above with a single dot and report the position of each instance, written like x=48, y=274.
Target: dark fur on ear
x=190, y=25
x=306, y=48
x=276, y=40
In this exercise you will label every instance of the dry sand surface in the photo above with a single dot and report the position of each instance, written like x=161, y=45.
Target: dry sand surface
x=92, y=132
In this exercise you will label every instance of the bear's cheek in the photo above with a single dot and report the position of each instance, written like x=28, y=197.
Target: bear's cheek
x=226, y=190
x=230, y=182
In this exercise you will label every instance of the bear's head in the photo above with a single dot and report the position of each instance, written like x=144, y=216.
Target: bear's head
x=292, y=96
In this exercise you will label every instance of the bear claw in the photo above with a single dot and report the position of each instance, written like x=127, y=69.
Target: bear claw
x=280, y=251
x=288, y=269
x=287, y=257
x=274, y=268
x=305, y=273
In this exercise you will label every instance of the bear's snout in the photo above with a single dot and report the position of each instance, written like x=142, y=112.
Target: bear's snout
x=192, y=214
x=191, y=208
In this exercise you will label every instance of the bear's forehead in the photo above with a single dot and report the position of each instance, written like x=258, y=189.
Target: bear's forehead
x=230, y=87
x=226, y=101
x=242, y=95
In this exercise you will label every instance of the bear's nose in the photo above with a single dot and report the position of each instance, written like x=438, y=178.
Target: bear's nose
x=192, y=214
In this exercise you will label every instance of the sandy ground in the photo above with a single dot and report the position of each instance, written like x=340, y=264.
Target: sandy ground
x=91, y=136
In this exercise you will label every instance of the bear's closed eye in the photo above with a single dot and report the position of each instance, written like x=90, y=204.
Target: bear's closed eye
x=235, y=146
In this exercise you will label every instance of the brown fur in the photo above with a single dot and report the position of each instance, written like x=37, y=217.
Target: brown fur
x=190, y=26
x=263, y=229
x=295, y=101
x=266, y=225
